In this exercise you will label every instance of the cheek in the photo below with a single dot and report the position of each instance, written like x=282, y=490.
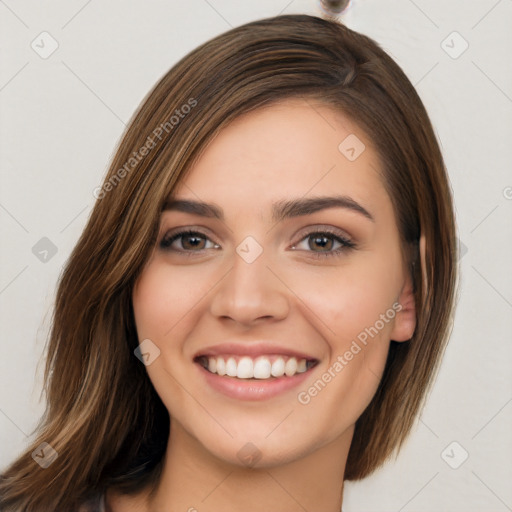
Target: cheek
x=353, y=309
x=161, y=299
x=162, y=305
x=344, y=301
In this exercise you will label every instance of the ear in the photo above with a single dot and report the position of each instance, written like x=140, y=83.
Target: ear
x=405, y=318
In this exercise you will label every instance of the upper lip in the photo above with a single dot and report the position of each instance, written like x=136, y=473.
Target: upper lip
x=251, y=349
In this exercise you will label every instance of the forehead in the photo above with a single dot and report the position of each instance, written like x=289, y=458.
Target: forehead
x=293, y=148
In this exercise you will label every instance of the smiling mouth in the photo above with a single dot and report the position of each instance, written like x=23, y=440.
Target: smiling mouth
x=258, y=368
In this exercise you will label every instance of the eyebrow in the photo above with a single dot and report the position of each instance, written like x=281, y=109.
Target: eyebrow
x=281, y=210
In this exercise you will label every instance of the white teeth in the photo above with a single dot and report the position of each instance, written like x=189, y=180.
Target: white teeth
x=290, y=368
x=221, y=366
x=245, y=368
x=259, y=368
x=262, y=368
x=278, y=367
x=231, y=367
x=301, y=366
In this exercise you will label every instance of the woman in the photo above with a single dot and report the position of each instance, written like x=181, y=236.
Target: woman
x=262, y=294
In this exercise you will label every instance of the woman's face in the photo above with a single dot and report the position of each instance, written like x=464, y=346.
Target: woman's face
x=274, y=278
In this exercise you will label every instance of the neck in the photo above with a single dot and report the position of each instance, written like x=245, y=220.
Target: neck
x=194, y=480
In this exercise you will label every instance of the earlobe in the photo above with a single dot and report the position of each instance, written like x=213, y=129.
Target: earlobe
x=405, y=319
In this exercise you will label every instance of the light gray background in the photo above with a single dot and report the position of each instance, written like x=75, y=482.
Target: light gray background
x=62, y=116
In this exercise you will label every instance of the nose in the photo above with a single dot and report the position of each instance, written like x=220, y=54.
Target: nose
x=250, y=293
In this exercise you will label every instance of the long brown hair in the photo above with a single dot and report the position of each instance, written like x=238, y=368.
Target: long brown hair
x=103, y=417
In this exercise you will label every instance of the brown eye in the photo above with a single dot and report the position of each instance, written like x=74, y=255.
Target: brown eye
x=190, y=241
x=324, y=244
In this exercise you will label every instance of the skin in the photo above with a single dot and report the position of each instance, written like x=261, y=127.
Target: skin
x=185, y=303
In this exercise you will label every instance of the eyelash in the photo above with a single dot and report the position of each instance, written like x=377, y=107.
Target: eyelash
x=346, y=244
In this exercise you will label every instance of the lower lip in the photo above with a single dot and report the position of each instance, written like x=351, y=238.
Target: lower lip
x=252, y=389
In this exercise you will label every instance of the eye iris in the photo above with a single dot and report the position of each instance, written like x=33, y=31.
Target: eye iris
x=325, y=242
x=193, y=245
